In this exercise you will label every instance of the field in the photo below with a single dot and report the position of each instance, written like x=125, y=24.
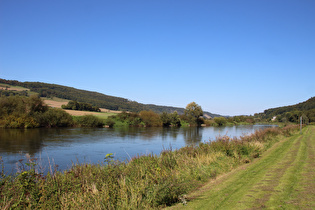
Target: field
x=284, y=178
x=57, y=103
x=15, y=88
x=10, y=87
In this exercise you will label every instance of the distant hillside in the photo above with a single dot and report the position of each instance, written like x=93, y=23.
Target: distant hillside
x=304, y=106
x=94, y=98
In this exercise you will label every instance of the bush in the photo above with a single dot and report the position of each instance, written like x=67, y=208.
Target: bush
x=220, y=121
x=89, y=121
x=170, y=119
x=150, y=118
x=110, y=122
x=55, y=117
x=124, y=119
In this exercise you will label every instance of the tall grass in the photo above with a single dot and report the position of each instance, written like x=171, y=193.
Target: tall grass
x=148, y=181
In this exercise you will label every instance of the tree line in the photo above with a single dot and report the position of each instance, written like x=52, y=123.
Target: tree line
x=31, y=112
x=291, y=113
x=74, y=105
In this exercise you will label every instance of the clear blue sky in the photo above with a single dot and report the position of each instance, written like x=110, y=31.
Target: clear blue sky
x=230, y=57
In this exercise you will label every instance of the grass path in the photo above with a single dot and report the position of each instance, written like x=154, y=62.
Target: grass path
x=283, y=178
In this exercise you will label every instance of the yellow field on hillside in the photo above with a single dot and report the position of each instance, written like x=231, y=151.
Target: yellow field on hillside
x=57, y=103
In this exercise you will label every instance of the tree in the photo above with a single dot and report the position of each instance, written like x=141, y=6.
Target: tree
x=193, y=112
x=220, y=121
x=171, y=119
x=165, y=118
x=175, y=120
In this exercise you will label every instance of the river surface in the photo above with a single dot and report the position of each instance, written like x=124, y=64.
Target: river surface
x=67, y=146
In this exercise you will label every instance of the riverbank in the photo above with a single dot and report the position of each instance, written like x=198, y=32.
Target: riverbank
x=283, y=178
x=149, y=181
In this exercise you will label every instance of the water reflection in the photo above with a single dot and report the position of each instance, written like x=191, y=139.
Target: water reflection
x=16, y=141
x=192, y=135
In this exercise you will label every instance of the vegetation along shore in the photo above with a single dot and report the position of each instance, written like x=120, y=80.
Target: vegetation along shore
x=31, y=112
x=148, y=181
x=18, y=111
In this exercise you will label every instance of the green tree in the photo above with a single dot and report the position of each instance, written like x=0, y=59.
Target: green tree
x=170, y=119
x=220, y=121
x=165, y=118
x=175, y=120
x=193, y=112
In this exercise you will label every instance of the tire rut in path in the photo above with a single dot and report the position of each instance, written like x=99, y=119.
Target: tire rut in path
x=284, y=173
x=276, y=164
x=271, y=185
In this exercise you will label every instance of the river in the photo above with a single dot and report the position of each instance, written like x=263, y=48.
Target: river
x=64, y=147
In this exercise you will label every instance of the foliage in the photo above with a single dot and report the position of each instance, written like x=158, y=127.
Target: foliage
x=125, y=119
x=89, y=121
x=294, y=116
x=30, y=112
x=220, y=121
x=171, y=119
x=54, y=118
x=242, y=119
x=74, y=105
x=193, y=112
x=144, y=182
x=289, y=113
x=150, y=118
x=144, y=118
x=13, y=93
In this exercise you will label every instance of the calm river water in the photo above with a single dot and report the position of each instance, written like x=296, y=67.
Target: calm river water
x=64, y=147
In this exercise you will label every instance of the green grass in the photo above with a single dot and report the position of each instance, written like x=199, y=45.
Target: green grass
x=283, y=178
x=104, y=115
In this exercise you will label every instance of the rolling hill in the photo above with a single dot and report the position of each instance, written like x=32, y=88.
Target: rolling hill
x=303, y=106
x=94, y=98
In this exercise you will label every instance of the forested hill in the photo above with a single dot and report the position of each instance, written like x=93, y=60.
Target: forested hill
x=94, y=98
x=303, y=107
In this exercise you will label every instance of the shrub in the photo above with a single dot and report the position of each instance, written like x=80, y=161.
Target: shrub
x=110, y=122
x=150, y=118
x=220, y=121
x=89, y=121
x=54, y=117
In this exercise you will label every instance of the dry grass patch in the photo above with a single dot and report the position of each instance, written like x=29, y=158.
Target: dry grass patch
x=55, y=103
x=58, y=102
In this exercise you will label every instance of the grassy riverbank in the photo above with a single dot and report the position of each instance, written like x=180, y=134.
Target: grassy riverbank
x=144, y=182
x=283, y=178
